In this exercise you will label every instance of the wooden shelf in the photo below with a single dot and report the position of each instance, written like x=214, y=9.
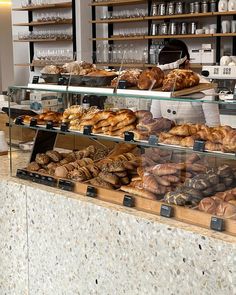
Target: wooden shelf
x=34, y=24
x=140, y=65
x=179, y=36
x=225, y=13
x=44, y=40
x=117, y=3
x=119, y=38
x=187, y=15
x=118, y=20
x=47, y=6
x=163, y=17
x=225, y=35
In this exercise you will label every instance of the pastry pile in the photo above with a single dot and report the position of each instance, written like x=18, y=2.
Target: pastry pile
x=141, y=123
x=221, y=138
x=45, y=117
x=155, y=78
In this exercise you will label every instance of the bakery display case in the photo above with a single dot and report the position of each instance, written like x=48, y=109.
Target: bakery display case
x=96, y=139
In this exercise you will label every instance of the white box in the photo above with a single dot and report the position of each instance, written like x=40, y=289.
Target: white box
x=208, y=56
x=196, y=56
x=38, y=96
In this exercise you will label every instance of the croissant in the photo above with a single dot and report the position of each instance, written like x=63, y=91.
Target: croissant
x=139, y=192
x=121, y=116
x=187, y=141
x=208, y=205
x=130, y=119
x=173, y=140
x=120, y=132
x=229, y=142
x=181, y=130
x=150, y=184
x=213, y=146
x=163, y=169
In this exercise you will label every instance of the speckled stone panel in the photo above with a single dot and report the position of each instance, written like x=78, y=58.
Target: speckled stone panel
x=13, y=239
x=83, y=246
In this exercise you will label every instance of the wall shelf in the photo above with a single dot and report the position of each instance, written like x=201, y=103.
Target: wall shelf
x=117, y=3
x=47, y=23
x=119, y=20
x=47, y=6
x=140, y=65
x=44, y=40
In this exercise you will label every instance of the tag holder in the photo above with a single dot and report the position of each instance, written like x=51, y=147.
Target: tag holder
x=63, y=81
x=91, y=192
x=167, y=211
x=128, y=136
x=129, y=201
x=199, y=145
x=19, y=121
x=66, y=185
x=64, y=127
x=217, y=224
x=33, y=122
x=35, y=80
x=49, y=125
x=122, y=84
x=87, y=130
x=153, y=140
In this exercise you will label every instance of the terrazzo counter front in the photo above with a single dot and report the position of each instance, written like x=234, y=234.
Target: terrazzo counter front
x=55, y=242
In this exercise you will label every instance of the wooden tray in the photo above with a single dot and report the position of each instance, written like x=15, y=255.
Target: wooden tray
x=183, y=214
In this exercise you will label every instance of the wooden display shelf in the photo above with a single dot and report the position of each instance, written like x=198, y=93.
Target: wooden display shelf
x=225, y=13
x=225, y=35
x=34, y=24
x=186, y=15
x=189, y=36
x=117, y=3
x=140, y=65
x=118, y=20
x=119, y=38
x=180, y=213
x=44, y=40
x=46, y=6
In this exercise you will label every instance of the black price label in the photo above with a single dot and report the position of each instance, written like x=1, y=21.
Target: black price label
x=33, y=122
x=217, y=224
x=153, y=140
x=122, y=84
x=128, y=136
x=129, y=201
x=22, y=174
x=66, y=185
x=19, y=121
x=166, y=211
x=64, y=127
x=87, y=130
x=199, y=145
x=49, y=125
x=35, y=80
x=91, y=192
x=63, y=81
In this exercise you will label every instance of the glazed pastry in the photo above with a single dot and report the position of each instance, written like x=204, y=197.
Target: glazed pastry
x=208, y=205
x=151, y=78
x=180, y=79
x=54, y=156
x=33, y=166
x=61, y=171
x=109, y=177
x=42, y=159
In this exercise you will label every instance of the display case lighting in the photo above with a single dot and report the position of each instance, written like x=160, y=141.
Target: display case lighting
x=5, y=2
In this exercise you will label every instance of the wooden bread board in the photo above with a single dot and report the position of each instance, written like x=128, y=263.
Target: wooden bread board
x=199, y=88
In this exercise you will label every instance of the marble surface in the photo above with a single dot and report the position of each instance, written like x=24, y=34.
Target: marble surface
x=61, y=243
x=13, y=239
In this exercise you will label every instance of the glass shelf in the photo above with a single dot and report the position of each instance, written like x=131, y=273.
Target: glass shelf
x=141, y=143
x=125, y=93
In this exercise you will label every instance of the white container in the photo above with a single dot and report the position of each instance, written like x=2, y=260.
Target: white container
x=208, y=56
x=226, y=26
x=3, y=142
x=223, y=5
x=232, y=5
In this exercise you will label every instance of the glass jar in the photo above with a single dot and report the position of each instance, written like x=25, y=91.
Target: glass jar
x=204, y=6
x=213, y=5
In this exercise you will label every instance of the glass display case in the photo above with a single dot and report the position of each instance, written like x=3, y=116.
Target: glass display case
x=94, y=140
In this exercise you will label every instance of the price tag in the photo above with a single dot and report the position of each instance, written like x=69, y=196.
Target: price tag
x=87, y=130
x=217, y=224
x=66, y=185
x=122, y=84
x=33, y=122
x=199, y=145
x=22, y=174
x=19, y=121
x=128, y=136
x=129, y=201
x=49, y=125
x=91, y=192
x=35, y=80
x=166, y=211
x=153, y=140
x=64, y=127
x=63, y=81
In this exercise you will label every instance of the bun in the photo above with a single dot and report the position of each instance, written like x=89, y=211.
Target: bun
x=151, y=78
x=180, y=79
